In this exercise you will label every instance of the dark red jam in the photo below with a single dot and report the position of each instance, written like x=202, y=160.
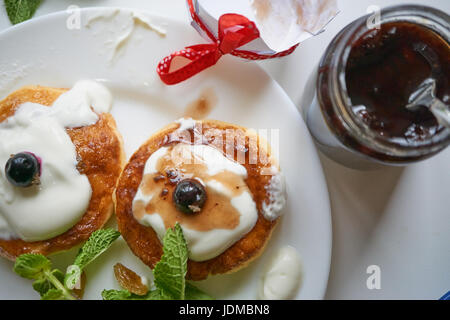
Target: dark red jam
x=385, y=67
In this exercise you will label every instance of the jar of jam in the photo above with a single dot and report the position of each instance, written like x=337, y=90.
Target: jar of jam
x=355, y=103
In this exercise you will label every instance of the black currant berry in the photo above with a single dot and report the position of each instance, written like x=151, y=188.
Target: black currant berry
x=189, y=196
x=23, y=169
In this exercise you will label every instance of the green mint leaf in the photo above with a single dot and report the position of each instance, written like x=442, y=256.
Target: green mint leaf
x=21, y=10
x=170, y=271
x=42, y=286
x=58, y=274
x=127, y=295
x=32, y=266
x=97, y=243
x=156, y=295
x=116, y=294
x=53, y=294
x=193, y=293
x=48, y=282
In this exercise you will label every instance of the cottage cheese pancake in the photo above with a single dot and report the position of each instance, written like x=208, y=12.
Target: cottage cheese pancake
x=200, y=174
x=46, y=210
x=78, y=153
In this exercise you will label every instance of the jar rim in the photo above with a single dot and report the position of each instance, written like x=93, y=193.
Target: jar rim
x=425, y=16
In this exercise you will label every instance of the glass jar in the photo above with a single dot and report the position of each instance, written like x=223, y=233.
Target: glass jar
x=340, y=132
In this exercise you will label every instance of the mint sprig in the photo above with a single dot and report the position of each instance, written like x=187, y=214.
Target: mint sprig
x=98, y=243
x=37, y=267
x=169, y=273
x=44, y=285
x=21, y=10
x=52, y=284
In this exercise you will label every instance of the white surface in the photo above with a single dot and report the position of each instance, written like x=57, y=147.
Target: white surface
x=395, y=218
x=60, y=57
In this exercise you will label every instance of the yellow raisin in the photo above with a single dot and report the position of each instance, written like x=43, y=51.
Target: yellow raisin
x=129, y=280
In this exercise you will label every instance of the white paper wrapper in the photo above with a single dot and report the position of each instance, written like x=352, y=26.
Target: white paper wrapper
x=281, y=23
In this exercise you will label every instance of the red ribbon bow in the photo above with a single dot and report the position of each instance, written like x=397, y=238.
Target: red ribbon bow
x=234, y=31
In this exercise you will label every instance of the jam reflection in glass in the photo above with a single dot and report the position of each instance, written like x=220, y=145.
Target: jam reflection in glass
x=385, y=67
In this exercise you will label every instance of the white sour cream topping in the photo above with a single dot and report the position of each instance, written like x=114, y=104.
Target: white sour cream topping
x=45, y=211
x=277, y=196
x=276, y=189
x=119, y=26
x=283, y=276
x=205, y=245
x=186, y=124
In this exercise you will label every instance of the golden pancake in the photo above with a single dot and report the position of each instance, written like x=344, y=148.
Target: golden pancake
x=101, y=158
x=144, y=241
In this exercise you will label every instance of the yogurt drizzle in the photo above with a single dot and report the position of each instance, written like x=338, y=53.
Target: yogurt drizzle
x=45, y=211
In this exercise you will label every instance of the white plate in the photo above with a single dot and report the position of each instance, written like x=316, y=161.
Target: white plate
x=44, y=51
